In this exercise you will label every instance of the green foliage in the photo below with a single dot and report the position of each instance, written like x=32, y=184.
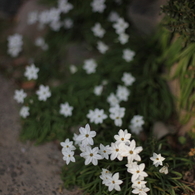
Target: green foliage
x=180, y=18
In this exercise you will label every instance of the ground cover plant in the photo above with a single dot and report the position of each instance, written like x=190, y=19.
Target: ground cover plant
x=107, y=102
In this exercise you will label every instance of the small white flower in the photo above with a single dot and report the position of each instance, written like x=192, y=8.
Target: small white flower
x=67, y=145
x=112, y=100
x=105, y=176
x=24, y=111
x=54, y=15
x=14, y=44
x=138, y=171
x=117, y=113
x=68, y=156
x=157, y=159
x=32, y=17
x=120, y=26
x=139, y=184
x=66, y=109
x=64, y=6
x=122, y=93
x=96, y=116
x=90, y=66
x=113, y=16
x=43, y=93
x=91, y=155
x=68, y=23
x=102, y=47
x=104, y=151
x=123, y=136
x=98, y=5
x=73, y=69
x=31, y=72
x=137, y=121
x=164, y=170
x=98, y=90
x=135, y=130
x=97, y=30
x=123, y=38
x=115, y=152
x=39, y=41
x=130, y=151
x=114, y=183
x=86, y=135
x=43, y=17
x=128, y=79
x=128, y=55
x=141, y=191
x=20, y=95
x=55, y=26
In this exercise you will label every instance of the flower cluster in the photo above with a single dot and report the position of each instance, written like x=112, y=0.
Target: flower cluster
x=120, y=26
x=14, y=44
x=123, y=147
x=51, y=17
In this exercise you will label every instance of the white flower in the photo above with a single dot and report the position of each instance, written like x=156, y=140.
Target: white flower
x=104, y=151
x=141, y=191
x=105, y=176
x=68, y=156
x=31, y=72
x=157, y=159
x=135, y=130
x=164, y=170
x=32, y=17
x=123, y=136
x=73, y=69
x=113, y=16
x=117, y=113
x=102, y=47
x=66, y=109
x=120, y=26
x=54, y=15
x=138, y=172
x=139, y=184
x=137, y=121
x=24, y=111
x=77, y=142
x=90, y=66
x=40, y=42
x=68, y=23
x=14, y=44
x=97, y=30
x=64, y=6
x=19, y=95
x=98, y=90
x=130, y=151
x=98, y=5
x=67, y=145
x=123, y=38
x=115, y=152
x=55, y=26
x=86, y=135
x=97, y=116
x=128, y=79
x=43, y=17
x=114, y=183
x=122, y=93
x=128, y=55
x=112, y=100
x=91, y=155
x=43, y=93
